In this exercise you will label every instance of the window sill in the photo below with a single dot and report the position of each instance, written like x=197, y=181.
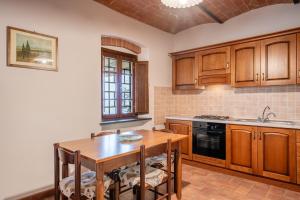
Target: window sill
x=117, y=121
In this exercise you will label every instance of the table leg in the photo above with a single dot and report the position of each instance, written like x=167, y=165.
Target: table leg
x=178, y=172
x=100, y=183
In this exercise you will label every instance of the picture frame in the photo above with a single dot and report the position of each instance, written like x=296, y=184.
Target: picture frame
x=28, y=49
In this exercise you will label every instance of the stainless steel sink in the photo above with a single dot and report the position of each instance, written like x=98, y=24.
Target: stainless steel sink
x=247, y=120
x=268, y=121
x=280, y=122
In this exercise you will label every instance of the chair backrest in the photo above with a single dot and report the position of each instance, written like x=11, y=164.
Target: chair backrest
x=66, y=157
x=102, y=133
x=152, y=151
x=162, y=130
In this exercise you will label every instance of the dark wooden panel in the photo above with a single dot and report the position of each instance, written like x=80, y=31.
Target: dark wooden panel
x=298, y=58
x=141, y=87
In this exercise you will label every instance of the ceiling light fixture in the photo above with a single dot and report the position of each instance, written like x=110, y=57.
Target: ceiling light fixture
x=181, y=3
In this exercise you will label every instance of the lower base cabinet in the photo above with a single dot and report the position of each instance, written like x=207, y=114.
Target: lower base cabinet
x=268, y=152
x=298, y=155
x=277, y=154
x=241, y=148
x=184, y=128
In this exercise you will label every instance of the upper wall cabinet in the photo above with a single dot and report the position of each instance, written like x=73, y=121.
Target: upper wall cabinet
x=278, y=60
x=272, y=59
x=298, y=58
x=213, y=66
x=184, y=72
x=245, y=64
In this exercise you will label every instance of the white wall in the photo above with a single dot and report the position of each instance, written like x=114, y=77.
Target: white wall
x=38, y=108
x=256, y=22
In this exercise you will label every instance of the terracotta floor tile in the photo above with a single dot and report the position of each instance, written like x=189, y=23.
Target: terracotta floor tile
x=291, y=195
x=202, y=184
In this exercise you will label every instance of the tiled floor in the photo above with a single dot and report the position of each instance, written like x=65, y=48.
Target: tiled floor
x=209, y=185
x=201, y=184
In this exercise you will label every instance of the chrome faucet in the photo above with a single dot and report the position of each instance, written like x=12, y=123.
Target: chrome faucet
x=268, y=115
x=265, y=117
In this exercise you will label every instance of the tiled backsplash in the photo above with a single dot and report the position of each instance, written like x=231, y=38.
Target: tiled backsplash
x=225, y=100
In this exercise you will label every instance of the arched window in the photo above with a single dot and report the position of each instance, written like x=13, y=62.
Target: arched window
x=125, y=92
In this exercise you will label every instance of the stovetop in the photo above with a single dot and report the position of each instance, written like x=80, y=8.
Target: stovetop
x=214, y=117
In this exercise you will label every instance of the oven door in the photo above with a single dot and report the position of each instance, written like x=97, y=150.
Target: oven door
x=208, y=141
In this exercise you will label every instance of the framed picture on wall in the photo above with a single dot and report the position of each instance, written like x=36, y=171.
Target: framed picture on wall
x=29, y=49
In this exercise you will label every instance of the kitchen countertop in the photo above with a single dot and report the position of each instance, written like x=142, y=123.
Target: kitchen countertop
x=295, y=125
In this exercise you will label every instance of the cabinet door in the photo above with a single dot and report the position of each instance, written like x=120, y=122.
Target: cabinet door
x=278, y=60
x=245, y=64
x=241, y=148
x=214, y=61
x=298, y=155
x=277, y=153
x=183, y=128
x=298, y=58
x=184, y=72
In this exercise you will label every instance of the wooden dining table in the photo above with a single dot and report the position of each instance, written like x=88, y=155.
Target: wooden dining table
x=105, y=153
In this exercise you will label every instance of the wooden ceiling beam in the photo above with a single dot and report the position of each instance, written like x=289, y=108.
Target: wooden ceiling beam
x=210, y=14
x=296, y=1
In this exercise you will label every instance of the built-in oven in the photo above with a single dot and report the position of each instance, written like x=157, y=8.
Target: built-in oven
x=209, y=139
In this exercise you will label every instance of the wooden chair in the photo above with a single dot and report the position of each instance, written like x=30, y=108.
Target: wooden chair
x=142, y=177
x=156, y=164
x=73, y=183
x=161, y=130
x=103, y=133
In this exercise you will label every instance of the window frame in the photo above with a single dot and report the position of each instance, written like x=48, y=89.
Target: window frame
x=119, y=56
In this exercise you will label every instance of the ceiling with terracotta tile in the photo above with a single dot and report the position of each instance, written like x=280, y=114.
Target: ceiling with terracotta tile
x=154, y=13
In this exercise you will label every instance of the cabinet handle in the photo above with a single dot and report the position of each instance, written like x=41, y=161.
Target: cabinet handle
x=257, y=76
x=227, y=65
x=263, y=76
x=259, y=135
x=196, y=81
x=254, y=136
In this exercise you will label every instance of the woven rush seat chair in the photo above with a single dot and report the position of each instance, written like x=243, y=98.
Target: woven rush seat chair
x=144, y=177
x=79, y=186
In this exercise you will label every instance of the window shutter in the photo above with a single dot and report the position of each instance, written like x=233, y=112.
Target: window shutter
x=141, y=88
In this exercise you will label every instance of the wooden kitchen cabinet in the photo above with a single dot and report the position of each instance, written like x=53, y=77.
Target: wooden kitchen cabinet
x=263, y=151
x=184, y=128
x=184, y=72
x=241, y=148
x=298, y=155
x=278, y=60
x=266, y=60
x=277, y=153
x=213, y=66
x=245, y=64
